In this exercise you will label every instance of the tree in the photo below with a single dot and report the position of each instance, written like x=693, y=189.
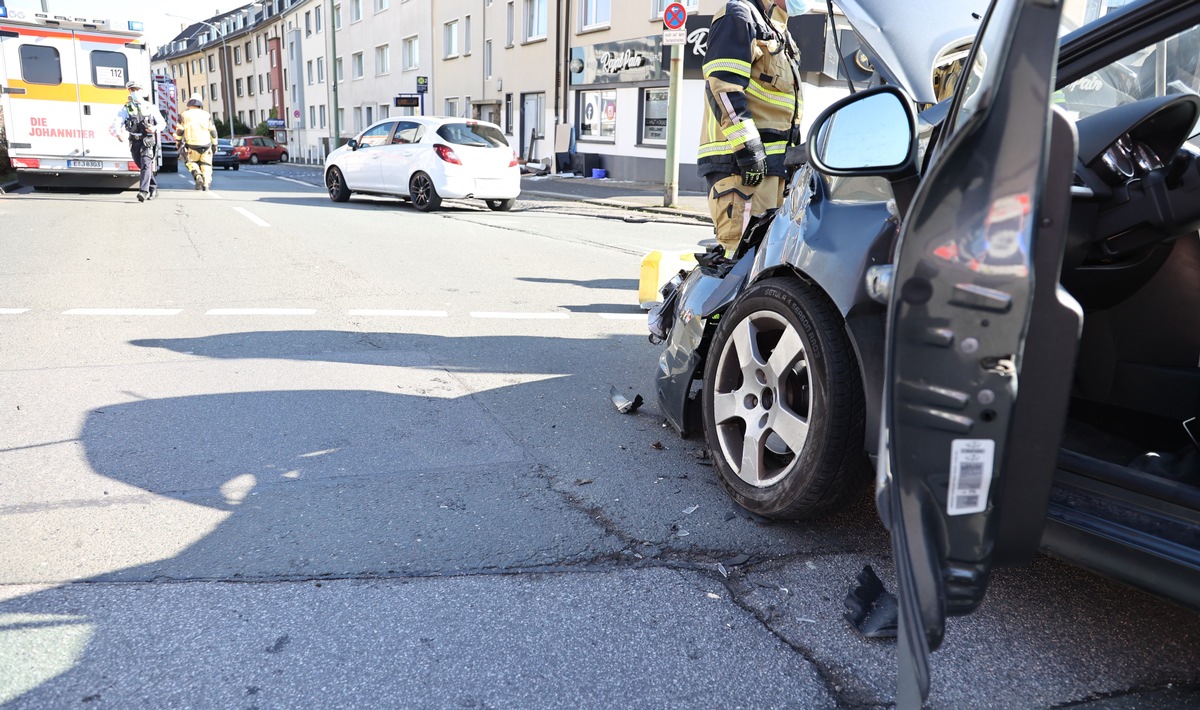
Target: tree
x=239, y=128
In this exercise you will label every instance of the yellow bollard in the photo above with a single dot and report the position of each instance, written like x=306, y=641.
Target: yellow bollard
x=657, y=268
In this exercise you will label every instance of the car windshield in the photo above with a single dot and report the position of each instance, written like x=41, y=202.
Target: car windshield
x=479, y=134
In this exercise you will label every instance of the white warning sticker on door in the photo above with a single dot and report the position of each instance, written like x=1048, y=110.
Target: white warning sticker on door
x=970, y=475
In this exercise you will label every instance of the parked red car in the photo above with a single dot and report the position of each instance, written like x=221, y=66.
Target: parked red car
x=258, y=149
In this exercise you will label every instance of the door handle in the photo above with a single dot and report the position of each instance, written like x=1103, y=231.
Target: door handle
x=87, y=110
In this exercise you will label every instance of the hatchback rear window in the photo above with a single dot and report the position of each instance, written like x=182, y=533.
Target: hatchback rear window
x=473, y=134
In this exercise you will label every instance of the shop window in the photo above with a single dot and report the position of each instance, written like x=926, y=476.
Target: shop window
x=654, y=115
x=598, y=115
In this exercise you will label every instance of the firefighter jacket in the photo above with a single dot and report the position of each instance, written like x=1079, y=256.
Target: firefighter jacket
x=752, y=92
x=196, y=128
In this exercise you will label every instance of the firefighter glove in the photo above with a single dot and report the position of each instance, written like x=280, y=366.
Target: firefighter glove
x=752, y=162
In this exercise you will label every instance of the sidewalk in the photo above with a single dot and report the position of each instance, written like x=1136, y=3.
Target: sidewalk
x=646, y=196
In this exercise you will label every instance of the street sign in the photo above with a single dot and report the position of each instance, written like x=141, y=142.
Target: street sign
x=296, y=113
x=674, y=37
x=276, y=123
x=407, y=100
x=422, y=85
x=675, y=16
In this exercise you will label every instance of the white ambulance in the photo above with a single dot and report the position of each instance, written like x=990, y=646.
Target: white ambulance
x=62, y=82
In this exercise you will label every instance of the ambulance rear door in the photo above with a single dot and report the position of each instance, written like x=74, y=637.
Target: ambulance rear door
x=41, y=94
x=104, y=64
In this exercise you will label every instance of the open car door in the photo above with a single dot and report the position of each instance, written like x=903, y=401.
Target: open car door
x=981, y=337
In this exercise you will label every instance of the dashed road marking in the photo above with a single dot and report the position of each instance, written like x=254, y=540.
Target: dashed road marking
x=396, y=313
x=251, y=216
x=12, y=311
x=261, y=312
x=519, y=315
x=122, y=312
x=288, y=179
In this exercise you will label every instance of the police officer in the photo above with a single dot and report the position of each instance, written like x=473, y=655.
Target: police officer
x=199, y=134
x=141, y=122
x=753, y=109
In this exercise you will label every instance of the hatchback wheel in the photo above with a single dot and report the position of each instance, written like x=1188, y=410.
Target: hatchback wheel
x=254, y=158
x=336, y=183
x=783, y=403
x=283, y=158
x=500, y=205
x=423, y=194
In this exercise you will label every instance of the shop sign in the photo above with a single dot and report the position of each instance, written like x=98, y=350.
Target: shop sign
x=613, y=62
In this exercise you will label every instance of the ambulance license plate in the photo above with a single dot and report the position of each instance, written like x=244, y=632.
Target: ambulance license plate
x=94, y=164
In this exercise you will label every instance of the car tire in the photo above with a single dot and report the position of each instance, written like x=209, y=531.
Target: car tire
x=423, y=194
x=800, y=371
x=254, y=159
x=336, y=183
x=237, y=167
x=283, y=157
x=500, y=205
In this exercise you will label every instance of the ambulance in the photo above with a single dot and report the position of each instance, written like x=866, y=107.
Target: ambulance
x=62, y=82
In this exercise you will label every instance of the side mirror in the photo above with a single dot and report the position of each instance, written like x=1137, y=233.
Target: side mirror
x=353, y=144
x=872, y=132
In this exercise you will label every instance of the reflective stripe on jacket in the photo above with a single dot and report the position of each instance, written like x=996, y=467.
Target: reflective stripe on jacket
x=752, y=86
x=196, y=127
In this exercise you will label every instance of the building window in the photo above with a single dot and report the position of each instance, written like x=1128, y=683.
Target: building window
x=269, y=87
x=250, y=86
x=317, y=17
x=237, y=55
x=258, y=44
x=307, y=26
x=341, y=118
x=383, y=60
x=450, y=40
x=212, y=91
x=358, y=124
x=412, y=54
x=451, y=106
x=355, y=10
x=508, y=122
x=260, y=83
x=487, y=59
x=320, y=70
x=212, y=62
x=384, y=111
x=597, y=115
x=535, y=19
x=370, y=115
x=510, y=21
x=312, y=116
x=248, y=50
x=195, y=69
x=466, y=35
x=658, y=7
x=356, y=65
x=337, y=17
x=238, y=84
x=338, y=75
x=381, y=5
x=308, y=68
x=654, y=116
x=253, y=118
x=596, y=12
x=321, y=113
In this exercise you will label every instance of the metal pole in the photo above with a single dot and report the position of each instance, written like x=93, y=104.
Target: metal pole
x=674, y=116
x=337, y=129
x=227, y=62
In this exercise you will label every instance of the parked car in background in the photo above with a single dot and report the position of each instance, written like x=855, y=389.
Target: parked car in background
x=224, y=156
x=426, y=159
x=259, y=149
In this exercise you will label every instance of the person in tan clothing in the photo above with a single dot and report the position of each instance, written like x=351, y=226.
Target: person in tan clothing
x=198, y=134
x=753, y=110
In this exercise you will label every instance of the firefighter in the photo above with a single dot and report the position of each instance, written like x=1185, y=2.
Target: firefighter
x=198, y=134
x=141, y=122
x=753, y=109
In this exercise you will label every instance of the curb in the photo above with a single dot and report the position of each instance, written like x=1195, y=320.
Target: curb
x=605, y=202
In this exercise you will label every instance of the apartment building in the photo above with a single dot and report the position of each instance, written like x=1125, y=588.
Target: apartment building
x=306, y=92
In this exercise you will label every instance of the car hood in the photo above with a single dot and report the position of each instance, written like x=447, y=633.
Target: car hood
x=905, y=41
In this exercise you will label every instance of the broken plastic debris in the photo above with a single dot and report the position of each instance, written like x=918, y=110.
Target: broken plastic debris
x=689, y=511
x=657, y=445
x=737, y=560
x=683, y=533
x=622, y=403
x=871, y=609
x=713, y=596
x=582, y=481
x=722, y=570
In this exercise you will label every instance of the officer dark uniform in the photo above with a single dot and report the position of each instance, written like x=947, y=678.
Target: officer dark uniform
x=142, y=122
x=753, y=113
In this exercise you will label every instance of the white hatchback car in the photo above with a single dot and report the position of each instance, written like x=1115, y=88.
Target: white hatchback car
x=427, y=159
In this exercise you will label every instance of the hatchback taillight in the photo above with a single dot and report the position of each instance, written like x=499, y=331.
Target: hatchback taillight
x=133, y=166
x=30, y=163
x=446, y=153
x=514, y=162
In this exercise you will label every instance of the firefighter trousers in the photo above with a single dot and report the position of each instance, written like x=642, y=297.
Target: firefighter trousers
x=199, y=164
x=732, y=204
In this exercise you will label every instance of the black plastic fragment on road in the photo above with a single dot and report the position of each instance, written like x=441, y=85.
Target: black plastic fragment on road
x=871, y=609
x=622, y=403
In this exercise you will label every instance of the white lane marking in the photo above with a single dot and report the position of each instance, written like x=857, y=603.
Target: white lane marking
x=403, y=314
x=188, y=180
x=520, y=315
x=261, y=312
x=622, y=316
x=213, y=195
x=123, y=312
x=250, y=216
x=12, y=311
x=298, y=182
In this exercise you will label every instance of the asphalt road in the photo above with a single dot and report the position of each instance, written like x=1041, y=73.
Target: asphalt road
x=261, y=450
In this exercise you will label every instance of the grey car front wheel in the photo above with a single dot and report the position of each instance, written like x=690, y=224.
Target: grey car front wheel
x=783, y=403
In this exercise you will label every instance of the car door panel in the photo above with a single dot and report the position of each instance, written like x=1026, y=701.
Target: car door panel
x=984, y=219
x=401, y=156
